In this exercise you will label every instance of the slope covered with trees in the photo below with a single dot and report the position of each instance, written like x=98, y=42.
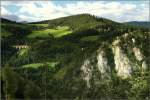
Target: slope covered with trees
x=97, y=59
x=139, y=24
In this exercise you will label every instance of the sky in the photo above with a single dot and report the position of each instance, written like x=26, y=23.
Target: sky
x=120, y=11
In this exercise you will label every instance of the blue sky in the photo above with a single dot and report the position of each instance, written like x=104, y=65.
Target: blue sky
x=121, y=11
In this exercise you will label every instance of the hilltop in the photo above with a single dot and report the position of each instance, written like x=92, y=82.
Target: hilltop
x=77, y=21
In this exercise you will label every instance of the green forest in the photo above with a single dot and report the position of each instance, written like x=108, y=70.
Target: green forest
x=74, y=58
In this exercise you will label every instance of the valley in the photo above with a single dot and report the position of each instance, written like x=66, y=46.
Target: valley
x=77, y=57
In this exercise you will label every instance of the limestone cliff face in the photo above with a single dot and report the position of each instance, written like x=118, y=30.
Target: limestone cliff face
x=87, y=68
x=102, y=64
x=140, y=57
x=122, y=63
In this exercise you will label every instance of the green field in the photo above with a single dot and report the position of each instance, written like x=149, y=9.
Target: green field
x=58, y=32
x=43, y=25
x=37, y=65
x=89, y=38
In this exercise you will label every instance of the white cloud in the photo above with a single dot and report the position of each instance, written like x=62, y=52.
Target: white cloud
x=32, y=8
x=4, y=11
x=13, y=2
x=117, y=11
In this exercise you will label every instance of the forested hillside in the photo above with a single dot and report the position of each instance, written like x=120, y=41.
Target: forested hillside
x=77, y=57
x=139, y=24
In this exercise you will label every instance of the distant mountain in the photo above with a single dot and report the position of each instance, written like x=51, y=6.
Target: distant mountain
x=3, y=20
x=13, y=28
x=8, y=21
x=139, y=24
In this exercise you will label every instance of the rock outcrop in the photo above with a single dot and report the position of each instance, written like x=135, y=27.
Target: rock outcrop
x=122, y=63
x=102, y=65
x=87, y=68
x=139, y=56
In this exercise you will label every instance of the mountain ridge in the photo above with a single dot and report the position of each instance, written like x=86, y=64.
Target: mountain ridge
x=145, y=24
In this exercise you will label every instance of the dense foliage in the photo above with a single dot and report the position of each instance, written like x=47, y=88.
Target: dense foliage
x=53, y=63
